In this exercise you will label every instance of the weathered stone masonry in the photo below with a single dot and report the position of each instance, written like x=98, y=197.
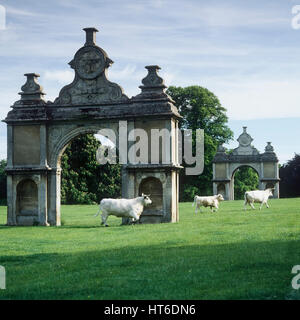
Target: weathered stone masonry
x=38, y=133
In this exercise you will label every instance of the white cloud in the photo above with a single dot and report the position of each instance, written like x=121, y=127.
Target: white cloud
x=261, y=99
x=60, y=76
x=15, y=11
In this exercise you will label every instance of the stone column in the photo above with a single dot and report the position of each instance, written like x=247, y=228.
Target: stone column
x=43, y=200
x=227, y=191
x=215, y=188
x=54, y=200
x=11, y=212
x=276, y=191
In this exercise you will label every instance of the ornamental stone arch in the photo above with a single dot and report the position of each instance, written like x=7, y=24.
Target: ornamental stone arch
x=226, y=164
x=38, y=132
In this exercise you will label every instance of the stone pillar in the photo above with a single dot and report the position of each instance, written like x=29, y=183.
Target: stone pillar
x=54, y=201
x=215, y=188
x=43, y=200
x=11, y=212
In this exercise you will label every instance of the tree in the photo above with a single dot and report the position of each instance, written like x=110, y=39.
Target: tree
x=2, y=181
x=83, y=179
x=245, y=179
x=201, y=109
x=290, y=178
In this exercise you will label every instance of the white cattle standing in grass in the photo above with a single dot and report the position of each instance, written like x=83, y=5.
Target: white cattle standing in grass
x=260, y=196
x=125, y=208
x=208, y=201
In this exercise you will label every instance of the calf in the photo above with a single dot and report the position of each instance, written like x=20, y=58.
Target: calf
x=260, y=196
x=125, y=208
x=208, y=201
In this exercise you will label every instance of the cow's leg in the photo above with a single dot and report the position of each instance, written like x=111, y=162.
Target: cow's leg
x=251, y=205
x=134, y=216
x=104, y=217
x=261, y=205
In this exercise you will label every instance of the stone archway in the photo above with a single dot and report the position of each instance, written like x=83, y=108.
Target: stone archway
x=232, y=181
x=38, y=133
x=265, y=164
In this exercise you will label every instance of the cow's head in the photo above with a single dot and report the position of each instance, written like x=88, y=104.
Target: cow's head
x=147, y=199
x=270, y=190
x=220, y=197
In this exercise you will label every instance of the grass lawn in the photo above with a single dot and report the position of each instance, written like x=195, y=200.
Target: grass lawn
x=231, y=254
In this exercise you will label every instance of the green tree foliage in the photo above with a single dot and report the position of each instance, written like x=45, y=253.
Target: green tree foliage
x=245, y=179
x=201, y=109
x=83, y=179
x=290, y=178
x=2, y=182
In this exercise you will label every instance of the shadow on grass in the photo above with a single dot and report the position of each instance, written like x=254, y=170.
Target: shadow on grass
x=247, y=270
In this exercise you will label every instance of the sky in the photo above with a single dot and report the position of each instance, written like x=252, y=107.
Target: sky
x=246, y=52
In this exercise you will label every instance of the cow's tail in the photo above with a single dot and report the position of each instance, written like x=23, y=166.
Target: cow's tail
x=97, y=214
x=194, y=201
x=246, y=199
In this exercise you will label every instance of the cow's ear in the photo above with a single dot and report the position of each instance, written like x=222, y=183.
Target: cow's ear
x=143, y=195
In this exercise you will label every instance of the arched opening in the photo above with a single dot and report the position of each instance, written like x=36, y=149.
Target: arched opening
x=244, y=178
x=83, y=179
x=153, y=187
x=27, y=202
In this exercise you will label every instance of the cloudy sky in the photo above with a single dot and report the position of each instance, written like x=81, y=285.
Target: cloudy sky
x=246, y=52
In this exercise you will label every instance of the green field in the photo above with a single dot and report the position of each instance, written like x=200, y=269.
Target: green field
x=231, y=254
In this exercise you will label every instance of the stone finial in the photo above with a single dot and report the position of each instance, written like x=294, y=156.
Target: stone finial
x=152, y=79
x=269, y=147
x=221, y=149
x=153, y=85
x=90, y=36
x=32, y=90
x=244, y=129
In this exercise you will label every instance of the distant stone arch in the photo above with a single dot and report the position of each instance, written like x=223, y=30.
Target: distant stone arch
x=265, y=164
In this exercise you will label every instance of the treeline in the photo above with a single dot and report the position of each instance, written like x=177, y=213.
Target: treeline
x=290, y=178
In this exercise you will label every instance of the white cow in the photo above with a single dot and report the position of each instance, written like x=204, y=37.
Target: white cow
x=208, y=201
x=125, y=208
x=260, y=196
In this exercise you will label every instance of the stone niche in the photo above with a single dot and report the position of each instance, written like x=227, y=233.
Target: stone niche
x=269, y=170
x=26, y=145
x=221, y=171
x=153, y=187
x=27, y=202
x=221, y=189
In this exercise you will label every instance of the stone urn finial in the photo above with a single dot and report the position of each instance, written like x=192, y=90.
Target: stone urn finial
x=269, y=147
x=90, y=36
x=153, y=85
x=152, y=79
x=221, y=148
x=244, y=129
x=32, y=90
